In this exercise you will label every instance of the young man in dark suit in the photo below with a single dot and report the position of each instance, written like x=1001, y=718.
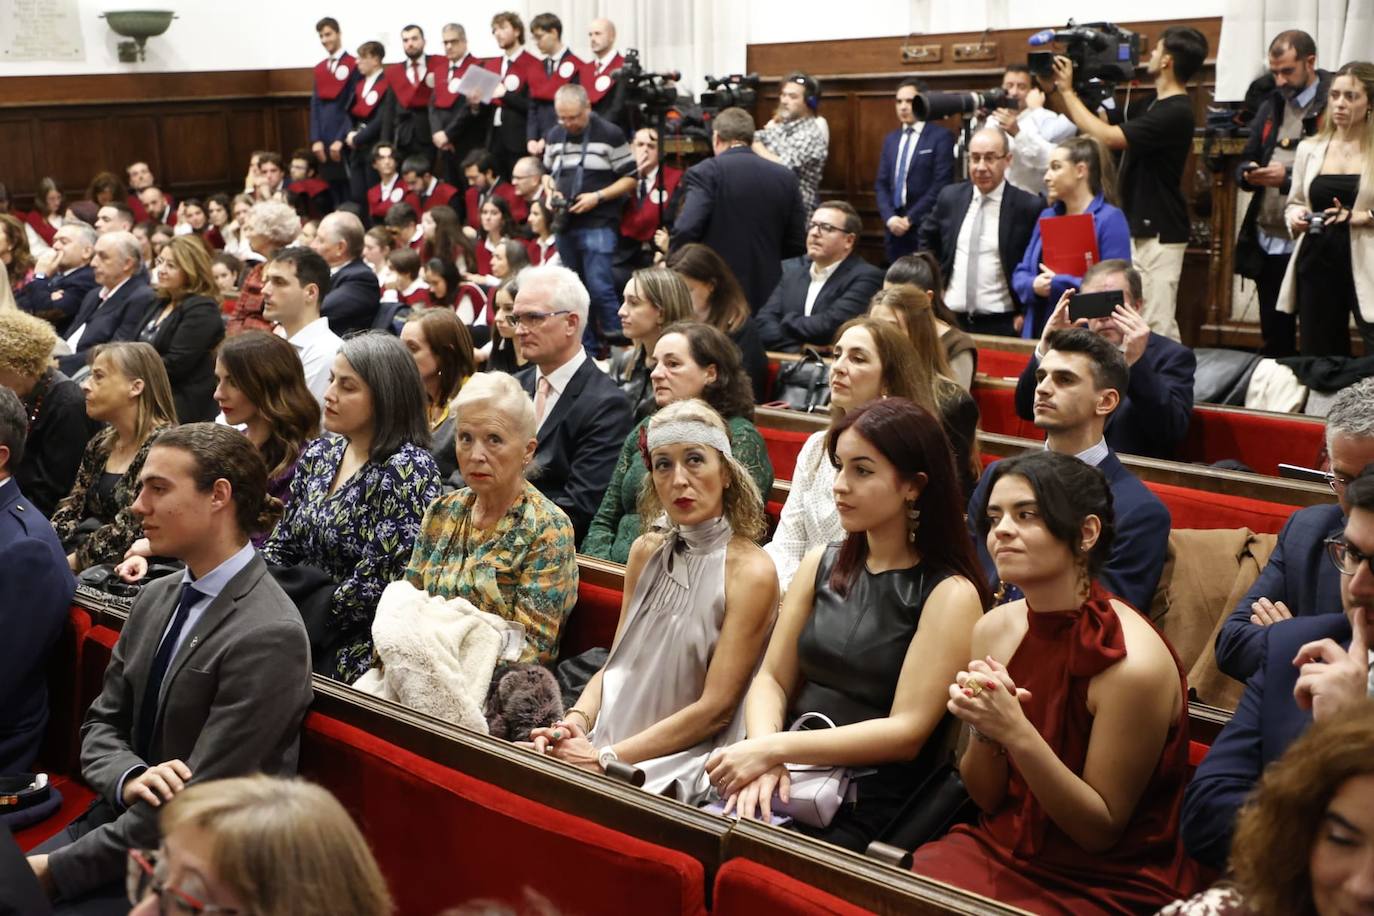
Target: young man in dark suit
x=114, y=309
x=745, y=208
x=330, y=99
x=823, y=290
x=980, y=229
x=582, y=417
x=1311, y=669
x=373, y=110
x=1299, y=579
x=1157, y=405
x=457, y=123
x=39, y=585
x=210, y=677
x=916, y=162
x=412, y=82
x=518, y=68
x=1080, y=382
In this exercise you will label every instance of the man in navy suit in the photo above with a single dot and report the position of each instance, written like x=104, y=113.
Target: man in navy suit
x=38, y=584
x=330, y=100
x=354, y=296
x=1299, y=579
x=916, y=162
x=745, y=208
x=581, y=416
x=1157, y=406
x=1311, y=669
x=1079, y=385
x=980, y=229
x=114, y=309
x=63, y=277
x=823, y=290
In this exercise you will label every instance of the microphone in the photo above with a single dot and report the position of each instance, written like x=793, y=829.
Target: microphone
x=1042, y=37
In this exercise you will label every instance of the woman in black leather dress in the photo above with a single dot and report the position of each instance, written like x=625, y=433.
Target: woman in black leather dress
x=870, y=630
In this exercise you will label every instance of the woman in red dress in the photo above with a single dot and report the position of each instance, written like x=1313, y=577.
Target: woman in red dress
x=1077, y=712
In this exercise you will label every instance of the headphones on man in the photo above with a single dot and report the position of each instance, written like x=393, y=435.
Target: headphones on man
x=811, y=86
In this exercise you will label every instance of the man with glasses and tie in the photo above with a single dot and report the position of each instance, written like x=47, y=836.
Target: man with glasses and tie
x=412, y=83
x=330, y=122
x=979, y=229
x=1311, y=668
x=1299, y=580
x=916, y=162
x=582, y=417
x=824, y=289
x=458, y=123
x=210, y=677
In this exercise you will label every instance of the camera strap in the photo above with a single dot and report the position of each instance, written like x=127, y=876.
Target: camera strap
x=581, y=163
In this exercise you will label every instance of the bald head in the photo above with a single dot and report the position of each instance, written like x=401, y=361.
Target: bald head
x=339, y=238
x=116, y=258
x=989, y=155
x=601, y=36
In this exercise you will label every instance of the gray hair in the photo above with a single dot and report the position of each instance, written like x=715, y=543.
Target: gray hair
x=342, y=226
x=457, y=29
x=565, y=288
x=399, y=402
x=1352, y=412
x=572, y=92
x=274, y=219
x=1000, y=134
x=125, y=245
x=14, y=427
x=500, y=392
x=534, y=161
x=1135, y=283
x=86, y=233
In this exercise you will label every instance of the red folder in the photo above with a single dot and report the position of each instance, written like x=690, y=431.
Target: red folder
x=1070, y=243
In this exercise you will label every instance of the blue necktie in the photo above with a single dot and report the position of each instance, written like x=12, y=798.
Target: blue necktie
x=903, y=162
x=161, y=661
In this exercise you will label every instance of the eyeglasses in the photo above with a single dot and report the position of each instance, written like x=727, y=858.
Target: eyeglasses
x=1346, y=558
x=824, y=228
x=1338, y=482
x=146, y=874
x=533, y=320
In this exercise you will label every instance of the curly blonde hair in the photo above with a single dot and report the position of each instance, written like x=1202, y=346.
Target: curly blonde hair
x=26, y=343
x=743, y=504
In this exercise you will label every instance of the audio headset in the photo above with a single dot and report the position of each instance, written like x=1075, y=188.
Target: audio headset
x=811, y=86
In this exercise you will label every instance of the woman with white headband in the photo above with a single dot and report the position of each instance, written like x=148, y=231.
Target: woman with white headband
x=699, y=602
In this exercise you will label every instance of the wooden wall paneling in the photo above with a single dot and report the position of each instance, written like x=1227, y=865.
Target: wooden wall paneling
x=248, y=130
x=71, y=148
x=134, y=138
x=836, y=180
x=195, y=146
x=17, y=168
x=292, y=128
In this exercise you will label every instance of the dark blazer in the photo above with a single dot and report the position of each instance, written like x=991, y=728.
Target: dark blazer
x=749, y=211
x=32, y=565
x=73, y=288
x=930, y=169
x=1142, y=534
x=187, y=339
x=1299, y=573
x=57, y=440
x=1265, y=723
x=119, y=317
x=1156, y=407
x=353, y=297
x=580, y=441
x=781, y=322
x=217, y=712
x=1016, y=221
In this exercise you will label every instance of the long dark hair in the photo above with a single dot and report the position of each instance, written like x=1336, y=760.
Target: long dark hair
x=268, y=371
x=922, y=271
x=449, y=239
x=732, y=392
x=914, y=441
x=726, y=307
x=449, y=271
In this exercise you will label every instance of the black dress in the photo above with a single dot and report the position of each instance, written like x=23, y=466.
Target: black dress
x=58, y=432
x=850, y=655
x=630, y=372
x=502, y=357
x=186, y=339
x=1325, y=277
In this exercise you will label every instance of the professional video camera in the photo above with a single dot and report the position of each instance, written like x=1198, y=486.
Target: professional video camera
x=733, y=91
x=1103, y=54
x=648, y=91
x=932, y=106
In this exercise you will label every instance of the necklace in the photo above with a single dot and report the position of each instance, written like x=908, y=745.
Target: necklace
x=40, y=392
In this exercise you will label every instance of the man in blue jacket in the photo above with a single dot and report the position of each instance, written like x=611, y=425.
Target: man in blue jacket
x=916, y=162
x=1311, y=669
x=1299, y=579
x=1157, y=403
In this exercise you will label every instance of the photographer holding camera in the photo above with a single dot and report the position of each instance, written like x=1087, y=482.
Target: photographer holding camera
x=1034, y=130
x=1156, y=136
x=590, y=167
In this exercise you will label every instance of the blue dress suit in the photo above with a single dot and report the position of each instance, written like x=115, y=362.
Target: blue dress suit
x=931, y=167
x=37, y=588
x=1265, y=723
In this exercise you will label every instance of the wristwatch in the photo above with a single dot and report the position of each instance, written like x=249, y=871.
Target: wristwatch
x=607, y=757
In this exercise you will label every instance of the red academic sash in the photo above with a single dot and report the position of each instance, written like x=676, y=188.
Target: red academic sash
x=365, y=103
x=446, y=88
x=543, y=86
x=598, y=84
x=414, y=96
x=522, y=71
x=330, y=83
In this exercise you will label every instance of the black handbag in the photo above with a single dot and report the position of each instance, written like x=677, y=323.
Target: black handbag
x=804, y=384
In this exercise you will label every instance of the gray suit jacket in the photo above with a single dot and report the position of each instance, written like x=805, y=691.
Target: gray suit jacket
x=232, y=704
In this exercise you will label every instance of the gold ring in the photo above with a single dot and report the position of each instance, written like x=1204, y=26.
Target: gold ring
x=973, y=686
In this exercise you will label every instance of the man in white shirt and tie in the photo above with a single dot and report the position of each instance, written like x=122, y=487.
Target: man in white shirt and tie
x=295, y=283
x=599, y=80
x=917, y=160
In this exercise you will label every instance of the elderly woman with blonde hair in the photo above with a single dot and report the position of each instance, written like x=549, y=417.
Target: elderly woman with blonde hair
x=499, y=543
x=699, y=602
x=58, y=426
x=260, y=845
x=269, y=227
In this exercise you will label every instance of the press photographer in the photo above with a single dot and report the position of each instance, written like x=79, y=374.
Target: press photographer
x=1034, y=130
x=1156, y=135
x=797, y=138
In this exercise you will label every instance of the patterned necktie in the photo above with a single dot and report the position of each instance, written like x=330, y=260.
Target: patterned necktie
x=148, y=713
x=975, y=249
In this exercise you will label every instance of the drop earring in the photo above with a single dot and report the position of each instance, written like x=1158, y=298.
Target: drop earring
x=913, y=520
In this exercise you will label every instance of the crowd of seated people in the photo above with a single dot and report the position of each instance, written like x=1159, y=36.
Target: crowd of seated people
x=455, y=366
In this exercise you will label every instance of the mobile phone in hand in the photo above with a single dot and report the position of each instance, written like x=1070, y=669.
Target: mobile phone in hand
x=1095, y=305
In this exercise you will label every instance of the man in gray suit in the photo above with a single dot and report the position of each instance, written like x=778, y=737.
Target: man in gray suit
x=210, y=677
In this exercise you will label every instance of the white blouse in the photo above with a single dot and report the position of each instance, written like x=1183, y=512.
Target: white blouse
x=809, y=519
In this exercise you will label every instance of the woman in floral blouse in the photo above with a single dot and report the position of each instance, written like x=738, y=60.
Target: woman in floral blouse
x=499, y=543
x=691, y=360
x=358, y=496
x=128, y=389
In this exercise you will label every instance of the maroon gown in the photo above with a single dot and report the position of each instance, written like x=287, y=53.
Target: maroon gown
x=1017, y=854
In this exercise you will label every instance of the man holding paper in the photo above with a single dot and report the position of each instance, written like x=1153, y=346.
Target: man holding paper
x=457, y=121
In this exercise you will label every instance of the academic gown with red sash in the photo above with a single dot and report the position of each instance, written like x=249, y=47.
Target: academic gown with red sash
x=319, y=200
x=331, y=98
x=372, y=111
x=412, y=102
x=473, y=200
x=600, y=82
x=567, y=68
x=378, y=203
x=449, y=111
x=442, y=195
x=639, y=219
x=508, y=127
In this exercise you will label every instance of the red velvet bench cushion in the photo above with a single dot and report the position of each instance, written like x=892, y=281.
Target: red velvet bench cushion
x=784, y=445
x=745, y=888
x=592, y=622
x=443, y=837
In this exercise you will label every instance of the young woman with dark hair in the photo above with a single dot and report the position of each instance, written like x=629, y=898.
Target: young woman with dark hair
x=217, y=211
x=49, y=210
x=444, y=238
x=442, y=348
x=542, y=244
x=871, y=632
x=653, y=299
x=922, y=271
x=106, y=188
x=497, y=226
x=185, y=325
x=718, y=300
x=1077, y=709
